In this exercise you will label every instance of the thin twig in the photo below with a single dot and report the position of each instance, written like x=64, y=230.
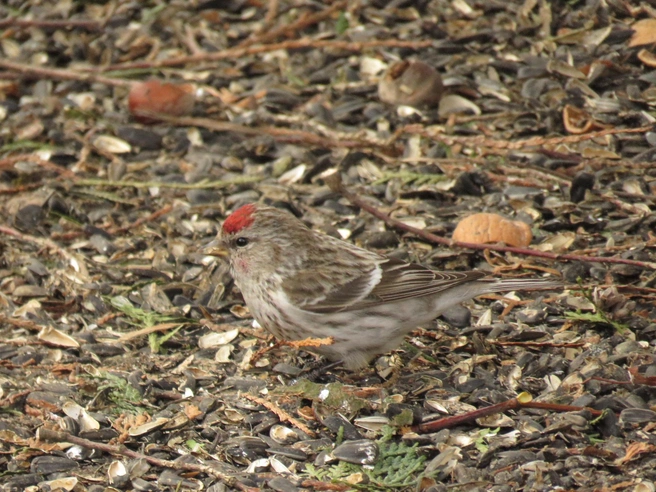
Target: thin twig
x=319, y=485
x=455, y=420
x=13, y=22
x=13, y=398
x=556, y=407
x=31, y=71
x=239, y=52
x=280, y=413
x=54, y=436
x=438, y=134
x=201, y=185
x=25, y=324
x=334, y=182
x=512, y=404
x=20, y=189
x=535, y=344
x=8, y=163
x=271, y=14
x=155, y=215
x=292, y=29
x=38, y=241
x=288, y=135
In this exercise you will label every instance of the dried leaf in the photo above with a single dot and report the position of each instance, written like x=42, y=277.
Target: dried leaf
x=647, y=57
x=634, y=449
x=644, y=32
x=577, y=121
x=192, y=412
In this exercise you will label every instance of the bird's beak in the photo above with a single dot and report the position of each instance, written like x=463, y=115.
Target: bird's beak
x=214, y=248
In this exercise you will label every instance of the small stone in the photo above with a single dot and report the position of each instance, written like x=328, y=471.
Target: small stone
x=287, y=369
x=244, y=384
x=29, y=291
x=280, y=484
x=337, y=424
x=573, y=271
x=382, y=240
x=139, y=137
x=457, y=316
x=29, y=218
x=104, y=349
x=580, y=184
x=201, y=197
x=598, y=273
x=102, y=245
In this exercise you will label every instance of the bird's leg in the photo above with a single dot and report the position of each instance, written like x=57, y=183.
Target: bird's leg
x=312, y=371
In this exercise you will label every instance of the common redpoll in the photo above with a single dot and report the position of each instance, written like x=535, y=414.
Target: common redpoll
x=299, y=283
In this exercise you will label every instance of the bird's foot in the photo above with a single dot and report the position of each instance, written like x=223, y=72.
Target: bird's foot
x=312, y=372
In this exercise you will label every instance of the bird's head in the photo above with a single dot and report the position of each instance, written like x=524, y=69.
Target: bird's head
x=256, y=237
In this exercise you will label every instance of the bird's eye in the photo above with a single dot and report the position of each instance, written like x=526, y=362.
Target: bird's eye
x=241, y=242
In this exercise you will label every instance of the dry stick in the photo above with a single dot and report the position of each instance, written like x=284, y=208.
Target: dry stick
x=513, y=404
x=280, y=134
x=58, y=74
x=201, y=185
x=20, y=189
x=319, y=485
x=335, y=184
x=155, y=215
x=455, y=420
x=280, y=413
x=54, y=436
x=8, y=163
x=89, y=25
x=25, y=324
x=535, y=344
x=238, y=52
x=13, y=398
x=10, y=76
x=293, y=28
x=39, y=241
x=437, y=133
x=556, y=407
x=271, y=14
x=188, y=37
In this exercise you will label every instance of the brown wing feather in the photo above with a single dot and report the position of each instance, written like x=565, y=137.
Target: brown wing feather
x=342, y=298
x=335, y=278
x=402, y=280
x=398, y=281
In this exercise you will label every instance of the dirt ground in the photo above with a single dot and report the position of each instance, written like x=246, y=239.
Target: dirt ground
x=128, y=359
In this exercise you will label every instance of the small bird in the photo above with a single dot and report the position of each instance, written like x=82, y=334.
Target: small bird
x=299, y=283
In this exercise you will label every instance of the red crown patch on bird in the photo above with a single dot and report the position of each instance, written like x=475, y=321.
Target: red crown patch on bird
x=240, y=218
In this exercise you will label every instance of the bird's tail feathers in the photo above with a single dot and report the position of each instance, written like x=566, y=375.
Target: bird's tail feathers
x=506, y=285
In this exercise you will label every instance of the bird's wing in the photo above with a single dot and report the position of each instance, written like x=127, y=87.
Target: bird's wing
x=401, y=280
x=334, y=279
x=386, y=281
x=323, y=294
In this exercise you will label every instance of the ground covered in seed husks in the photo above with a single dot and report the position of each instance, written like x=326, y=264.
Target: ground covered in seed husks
x=128, y=360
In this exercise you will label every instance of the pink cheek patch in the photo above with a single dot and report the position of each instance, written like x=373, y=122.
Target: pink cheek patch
x=242, y=265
